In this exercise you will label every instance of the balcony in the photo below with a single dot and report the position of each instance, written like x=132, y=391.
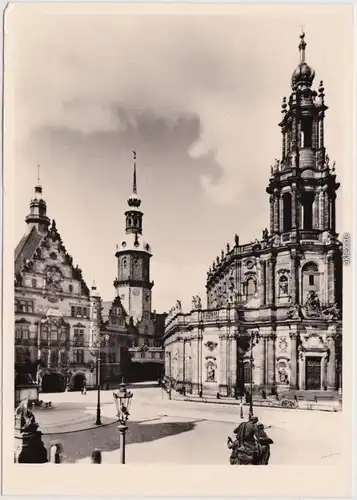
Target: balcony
x=309, y=236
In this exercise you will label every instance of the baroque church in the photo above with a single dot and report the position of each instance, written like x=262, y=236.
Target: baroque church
x=63, y=329
x=273, y=317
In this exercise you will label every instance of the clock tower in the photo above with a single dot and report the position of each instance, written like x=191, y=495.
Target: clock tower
x=133, y=283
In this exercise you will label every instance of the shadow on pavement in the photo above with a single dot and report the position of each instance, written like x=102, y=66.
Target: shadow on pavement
x=80, y=445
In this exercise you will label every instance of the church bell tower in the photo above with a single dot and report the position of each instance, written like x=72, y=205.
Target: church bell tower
x=303, y=185
x=133, y=283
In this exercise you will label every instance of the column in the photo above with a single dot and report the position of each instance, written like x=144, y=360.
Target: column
x=293, y=207
x=331, y=278
x=281, y=213
x=233, y=362
x=261, y=360
x=283, y=149
x=315, y=212
x=321, y=131
x=321, y=210
x=301, y=371
x=315, y=134
x=223, y=365
x=271, y=284
x=331, y=366
x=199, y=361
x=262, y=289
x=276, y=212
x=194, y=363
x=271, y=359
x=271, y=201
x=180, y=360
x=293, y=360
x=333, y=213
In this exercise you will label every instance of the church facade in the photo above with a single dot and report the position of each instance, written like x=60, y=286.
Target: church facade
x=273, y=316
x=63, y=330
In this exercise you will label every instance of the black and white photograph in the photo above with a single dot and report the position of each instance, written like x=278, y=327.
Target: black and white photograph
x=178, y=207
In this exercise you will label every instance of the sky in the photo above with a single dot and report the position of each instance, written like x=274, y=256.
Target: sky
x=197, y=92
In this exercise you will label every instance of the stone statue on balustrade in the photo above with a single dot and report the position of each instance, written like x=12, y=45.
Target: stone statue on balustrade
x=332, y=312
x=294, y=312
x=196, y=303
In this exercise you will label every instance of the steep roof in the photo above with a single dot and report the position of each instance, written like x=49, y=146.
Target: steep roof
x=26, y=247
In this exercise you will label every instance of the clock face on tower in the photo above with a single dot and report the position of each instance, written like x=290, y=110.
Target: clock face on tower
x=136, y=291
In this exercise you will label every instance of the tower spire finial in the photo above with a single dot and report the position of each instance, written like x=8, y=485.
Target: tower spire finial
x=302, y=45
x=38, y=174
x=134, y=174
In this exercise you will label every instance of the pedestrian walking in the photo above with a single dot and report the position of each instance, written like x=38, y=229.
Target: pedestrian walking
x=96, y=457
x=56, y=453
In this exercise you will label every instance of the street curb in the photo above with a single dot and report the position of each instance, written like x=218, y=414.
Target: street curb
x=308, y=406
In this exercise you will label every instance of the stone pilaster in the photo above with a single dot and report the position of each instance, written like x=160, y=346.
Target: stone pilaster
x=293, y=207
x=331, y=364
x=276, y=211
x=315, y=211
x=293, y=360
x=233, y=361
x=321, y=210
x=271, y=283
x=302, y=377
x=260, y=348
x=333, y=213
x=223, y=364
x=271, y=220
x=331, y=278
x=262, y=286
x=195, y=362
x=281, y=212
x=271, y=375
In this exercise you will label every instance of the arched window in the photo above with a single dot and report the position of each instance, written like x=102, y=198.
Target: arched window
x=306, y=132
x=247, y=372
x=250, y=288
x=287, y=218
x=307, y=201
x=310, y=278
x=70, y=288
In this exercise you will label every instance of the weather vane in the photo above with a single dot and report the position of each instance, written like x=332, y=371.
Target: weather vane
x=134, y=154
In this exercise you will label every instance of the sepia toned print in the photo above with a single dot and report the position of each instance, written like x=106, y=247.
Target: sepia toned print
x=179, y=285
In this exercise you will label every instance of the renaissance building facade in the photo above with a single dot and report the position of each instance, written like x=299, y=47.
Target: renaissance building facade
x=64, y=333
x=273, y=316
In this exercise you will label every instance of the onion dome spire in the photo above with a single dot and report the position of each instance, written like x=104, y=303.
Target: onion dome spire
x=304, y=74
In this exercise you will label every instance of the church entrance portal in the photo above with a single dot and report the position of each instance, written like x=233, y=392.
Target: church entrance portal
x=78, y=381
x=313, y=373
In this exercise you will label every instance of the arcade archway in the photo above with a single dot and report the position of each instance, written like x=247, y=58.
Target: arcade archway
x=53, y=382
x=78, y=381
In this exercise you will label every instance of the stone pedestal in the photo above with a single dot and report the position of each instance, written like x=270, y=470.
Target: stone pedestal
x=29, y=391
x=29, y=448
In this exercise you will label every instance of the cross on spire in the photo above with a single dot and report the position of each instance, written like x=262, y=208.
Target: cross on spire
x=302, y=45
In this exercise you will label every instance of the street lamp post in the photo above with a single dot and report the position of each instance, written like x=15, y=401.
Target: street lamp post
x=122, y=400
x=96, y=354
x=254, y=339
